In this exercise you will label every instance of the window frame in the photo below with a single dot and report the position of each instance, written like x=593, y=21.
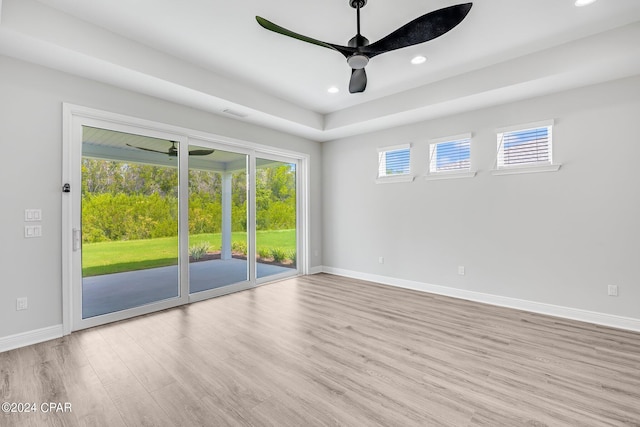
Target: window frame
x=501, y=169
x=454, y=173
x=403, y=177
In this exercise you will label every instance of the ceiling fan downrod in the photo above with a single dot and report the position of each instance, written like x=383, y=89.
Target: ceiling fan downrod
x=358, y=60
x=358, y=4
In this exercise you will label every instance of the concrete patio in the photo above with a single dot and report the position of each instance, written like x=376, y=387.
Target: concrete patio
x=114, y=292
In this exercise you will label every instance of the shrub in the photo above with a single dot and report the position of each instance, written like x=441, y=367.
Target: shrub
x=278, y=254
x=264, y=253
x=292, y=255
x=239, y=247
x=199, y=250
x=107, y=216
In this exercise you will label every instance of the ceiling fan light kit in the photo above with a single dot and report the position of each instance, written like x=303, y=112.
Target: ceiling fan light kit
x=357, y=61
x=359, y=51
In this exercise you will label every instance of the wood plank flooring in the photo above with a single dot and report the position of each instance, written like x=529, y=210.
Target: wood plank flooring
x=329, y=351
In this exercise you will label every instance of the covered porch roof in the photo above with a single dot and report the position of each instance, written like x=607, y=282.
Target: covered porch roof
x=107, y=144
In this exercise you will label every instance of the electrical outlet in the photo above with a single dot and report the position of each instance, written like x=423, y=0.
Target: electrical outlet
x=21, y=303
x=461, y=270
x=381, y=260
x=612, y=290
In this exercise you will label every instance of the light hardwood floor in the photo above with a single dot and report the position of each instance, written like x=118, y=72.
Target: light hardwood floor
x=325, y=350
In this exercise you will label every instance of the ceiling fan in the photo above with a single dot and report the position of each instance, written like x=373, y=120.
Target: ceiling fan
x=173, y=150
x=359, y=51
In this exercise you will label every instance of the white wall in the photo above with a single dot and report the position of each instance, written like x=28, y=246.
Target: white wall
x=31, y=174
x=585, y=227
x=582, y=222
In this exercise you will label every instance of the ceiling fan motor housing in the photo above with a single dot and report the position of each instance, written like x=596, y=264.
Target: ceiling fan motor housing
x=358, y=60
x=173, y=150
x=357, y=3
x=358, y=41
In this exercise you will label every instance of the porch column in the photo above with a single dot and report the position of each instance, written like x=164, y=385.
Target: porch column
x=225, y=252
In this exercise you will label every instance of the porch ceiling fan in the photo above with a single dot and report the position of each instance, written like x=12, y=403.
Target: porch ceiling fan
x=173, y=150
x=359, y=51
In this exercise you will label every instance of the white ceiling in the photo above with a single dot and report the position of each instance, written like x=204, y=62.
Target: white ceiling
x=212, y=55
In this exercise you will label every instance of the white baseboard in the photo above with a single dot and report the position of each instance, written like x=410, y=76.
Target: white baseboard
x=316, y=270
x=52, y=332
x=603, y=319
x=31, y=337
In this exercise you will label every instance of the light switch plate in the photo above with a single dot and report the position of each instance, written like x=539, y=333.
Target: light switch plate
x=31, y=231
x=31, y=215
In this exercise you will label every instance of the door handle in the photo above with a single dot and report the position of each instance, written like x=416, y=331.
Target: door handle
x=76, y=239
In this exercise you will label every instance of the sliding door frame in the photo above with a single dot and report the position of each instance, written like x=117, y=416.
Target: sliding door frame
x=300, y=211
x=249, y=283
x=75, y=117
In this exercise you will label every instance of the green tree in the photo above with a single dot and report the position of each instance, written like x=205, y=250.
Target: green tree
x=125, y=201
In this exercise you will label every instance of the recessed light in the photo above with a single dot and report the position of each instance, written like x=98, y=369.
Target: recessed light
x=333, y=89
x=416, y=60
x=581, y=3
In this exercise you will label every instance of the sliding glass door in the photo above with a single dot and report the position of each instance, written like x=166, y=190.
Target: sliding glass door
x=276, y=217
x=158, y=219
x=218, y=201
x=129, y=225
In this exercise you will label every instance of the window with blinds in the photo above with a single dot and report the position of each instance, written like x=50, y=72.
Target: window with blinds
x=525, y=147
x=394, y=161
x=450, y=155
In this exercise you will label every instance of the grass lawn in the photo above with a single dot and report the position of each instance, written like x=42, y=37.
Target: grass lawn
x=114, y=257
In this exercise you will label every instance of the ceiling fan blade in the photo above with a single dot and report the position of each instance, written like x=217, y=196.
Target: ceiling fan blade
x=346, y=51
x=147, y=149
x=358, y=82
x=420, y=30
x=200, y=152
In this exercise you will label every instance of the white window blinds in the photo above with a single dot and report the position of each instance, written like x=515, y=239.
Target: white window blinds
x=450, y=155
x=530, y=146
x=394, y=161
